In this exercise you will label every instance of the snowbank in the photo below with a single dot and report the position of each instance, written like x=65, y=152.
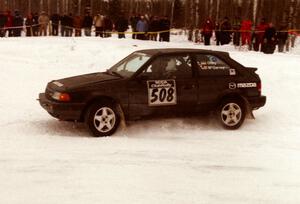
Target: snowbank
x=185, y=160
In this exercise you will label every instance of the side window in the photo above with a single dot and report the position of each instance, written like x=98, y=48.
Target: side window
x=212, y=65
x=170, y=67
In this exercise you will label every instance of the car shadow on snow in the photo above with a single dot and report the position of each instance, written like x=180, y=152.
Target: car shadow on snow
x=170, y=127
x=158, y=127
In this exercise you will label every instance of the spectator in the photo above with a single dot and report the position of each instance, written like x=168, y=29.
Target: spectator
x=282, y=36
x=165, y=27
x=218, y=33
x=98, y=23
x=64, y=25
x=87, y=24
x=259, y=33
x=69, y=27
x=55, y=23
x=121, y=25
x=225, y=31
x=29, y=23
x=3, y=20
x=134, y=19
x=207, y=30
x=269, y=43
x=154, y=28
x=236, y=26
x=9, y=23
x=293, y=38
x=108, y=27
x=36, y=27
x=17, y=24
x=246, y=32
x=142, y=28
x=43, y=21
x=77, y=25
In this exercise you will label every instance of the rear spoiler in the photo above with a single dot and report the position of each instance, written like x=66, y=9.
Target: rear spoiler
x=254, y=69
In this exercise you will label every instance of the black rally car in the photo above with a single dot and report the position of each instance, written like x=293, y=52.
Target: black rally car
x=157, y=82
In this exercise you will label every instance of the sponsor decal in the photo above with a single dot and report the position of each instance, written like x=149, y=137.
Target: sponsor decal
x=246, y=85
x=232, y=72
x=211, y=66
x=162, y=92
x=232, y=85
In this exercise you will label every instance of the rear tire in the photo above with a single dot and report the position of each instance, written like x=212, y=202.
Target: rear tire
x=102, y=119
x=232, y=113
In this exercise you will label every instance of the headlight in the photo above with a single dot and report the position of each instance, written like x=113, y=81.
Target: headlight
x=61, y=96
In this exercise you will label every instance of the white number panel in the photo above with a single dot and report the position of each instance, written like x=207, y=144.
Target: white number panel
x=162, y=92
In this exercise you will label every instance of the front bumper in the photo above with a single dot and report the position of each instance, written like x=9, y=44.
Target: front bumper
x=61, y=110
x=257, y=102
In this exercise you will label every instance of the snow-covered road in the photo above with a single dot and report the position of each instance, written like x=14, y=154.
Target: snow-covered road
x=183, y=160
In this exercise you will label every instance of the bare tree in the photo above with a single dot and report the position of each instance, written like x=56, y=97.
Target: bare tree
x=195, y=11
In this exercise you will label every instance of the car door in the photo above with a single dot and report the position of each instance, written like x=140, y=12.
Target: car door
x=214, y=77
x=166, y=86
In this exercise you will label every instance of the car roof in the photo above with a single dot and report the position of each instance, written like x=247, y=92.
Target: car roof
x=180, y=50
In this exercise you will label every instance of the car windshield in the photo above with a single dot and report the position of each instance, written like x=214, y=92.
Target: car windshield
x=128, y=66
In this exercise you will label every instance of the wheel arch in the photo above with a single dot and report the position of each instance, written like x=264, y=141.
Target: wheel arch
x=237, y=96
x=99, y=99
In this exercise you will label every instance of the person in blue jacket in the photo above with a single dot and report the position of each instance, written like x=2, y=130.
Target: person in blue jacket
x=142, y=28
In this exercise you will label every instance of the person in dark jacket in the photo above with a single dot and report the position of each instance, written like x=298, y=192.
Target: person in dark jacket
x=269, y=40
x=29, y=23
x=70, y=25
x=87, y=24
x=282, y=36
x=154, y=28
x=108, y=27
x=121, y=25
x=55, y=23
x=64, y=25
x=18, y=24
x=236, y=26
x=165, y=27
x=3, y=20
x=36, y=27
x=133, y=21
x=225, y=31
x=218, y=33
x=207, y=30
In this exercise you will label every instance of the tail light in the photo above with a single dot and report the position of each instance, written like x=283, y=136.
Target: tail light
x=259, y=87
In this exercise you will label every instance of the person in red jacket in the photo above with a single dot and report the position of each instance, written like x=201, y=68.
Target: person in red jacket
x=259, y=35
x=246, y=27
x=9, y=23
x=207, y=30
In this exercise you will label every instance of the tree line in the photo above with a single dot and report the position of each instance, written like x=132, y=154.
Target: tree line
x=182, y=13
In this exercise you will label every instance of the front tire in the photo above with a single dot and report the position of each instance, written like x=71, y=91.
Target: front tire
x=232, y=113
x=102, y=119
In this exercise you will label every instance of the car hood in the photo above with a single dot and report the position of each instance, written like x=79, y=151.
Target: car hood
x=81, y=80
